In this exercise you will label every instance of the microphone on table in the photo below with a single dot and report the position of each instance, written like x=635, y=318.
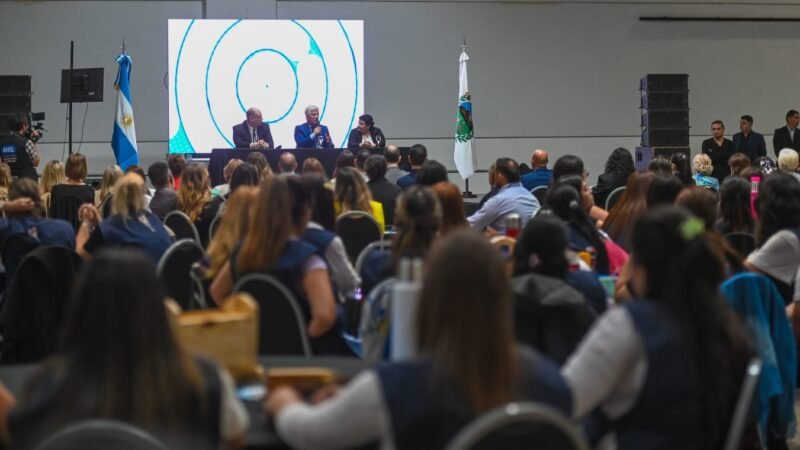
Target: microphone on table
x=278, y=147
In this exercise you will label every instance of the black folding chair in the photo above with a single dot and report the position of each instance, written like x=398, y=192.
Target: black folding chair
x=744, y=243
x=519, y=426
x=182, y=226
x=540, y=192
x=614, y=197
x=101, y=434
x=741, y=413
x=357, y=230
x=212, y=229
x=372, y=246
x=282, y=326
x=35, y=303
x=105, y=206
x=174, y=271
x=66, y=208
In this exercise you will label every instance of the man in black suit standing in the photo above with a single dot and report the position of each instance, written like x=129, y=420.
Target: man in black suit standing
x=719, y=150
x=748, y=141
x=788, y=136
x=253, y=133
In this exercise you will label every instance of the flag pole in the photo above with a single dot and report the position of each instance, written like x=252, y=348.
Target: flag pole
x=467, y=193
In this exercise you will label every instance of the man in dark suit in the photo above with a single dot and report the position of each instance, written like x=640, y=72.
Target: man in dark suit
x=165, y=199
x=312, y=134
x=788, y=136
x=382, y=190
x=719, y=150
x=253, y=133
x=748, y=141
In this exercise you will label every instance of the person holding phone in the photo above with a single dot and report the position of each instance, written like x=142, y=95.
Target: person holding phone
x=312, y=134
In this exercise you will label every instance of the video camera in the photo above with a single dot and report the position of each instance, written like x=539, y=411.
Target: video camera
x=37, y=127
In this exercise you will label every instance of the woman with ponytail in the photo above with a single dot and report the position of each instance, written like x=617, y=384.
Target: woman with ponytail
x=665, y=370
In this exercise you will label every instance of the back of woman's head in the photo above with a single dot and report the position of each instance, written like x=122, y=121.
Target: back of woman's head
x=663, y=190
x=734, y=205
x=680, y=163
x=464, y=322
x=227, y=172
x=244, y=175
x=620, y=163
x=260, y=162
x=352, y=191
x=195, y=191
x=322, y=210
x=5, y=175
x=111, y=175
x=702, y=164
x=430, y=173
x=345, y=159
x=778, y=204
x=52, y=175
x=453, y=215
x=738, y=162
x=568, y=165
x=232, y=228
x=119, y=343
x=417, y=220
x=630, y=207
x=26, y=188
x=702, y=203
x=128, y=199
x=313, y=166
x=682, y=272
x=76, y=169
x=561, y=199
x=541, y=248
x=661, y=166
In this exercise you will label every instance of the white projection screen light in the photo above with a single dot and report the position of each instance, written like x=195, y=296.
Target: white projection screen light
x=220, y=68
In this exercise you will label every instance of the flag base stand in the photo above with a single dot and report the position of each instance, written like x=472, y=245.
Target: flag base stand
x=467, y=193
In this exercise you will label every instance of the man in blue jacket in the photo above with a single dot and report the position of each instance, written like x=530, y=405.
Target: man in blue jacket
x=312, y=134
x=748, y=141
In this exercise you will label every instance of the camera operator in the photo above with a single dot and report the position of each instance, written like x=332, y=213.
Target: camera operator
x=19, y=150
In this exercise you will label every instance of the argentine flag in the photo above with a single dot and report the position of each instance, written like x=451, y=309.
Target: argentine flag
x=123, y=140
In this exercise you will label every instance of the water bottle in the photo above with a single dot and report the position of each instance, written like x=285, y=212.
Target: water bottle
x=513, y=225
x=405, y=299
x=754, y=182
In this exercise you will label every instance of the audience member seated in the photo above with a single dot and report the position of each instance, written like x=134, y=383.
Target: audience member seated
x=233, y=227
x=565, y=202
x=546, y=238
x=630, y=207
x=573, y=165
x=493, y=188
x=382, y=190
x=734, y=207
x=417, y=155
x=110, y=177
x=539, y=175
x=5, y=181
x=467, y=365
x=738, y=162
x=121, y=361
x=788, y=162
x=320, y=234
x=130, y=224
x=165, y=199
x=661, y=166
x=52, y=175
x=345, y=159
x=663, y=191
x=430, y=173
x=287, y=164
x=511, y=199
x=261, y=164
x=777, y=236
x=681, y=168
x=418, y=221
x=313, y=166
x=702, y=173
x=176, y=163
x=195, y=199
x=223, y=189
x=393, y=170
x=351, y=194
x=703, y=204
x=361, y=160
x=453, y=216
x=766, y=165
x=244, y=175
x=74, y=186
x=619, y=167
x=665, y=370
x=273, y=246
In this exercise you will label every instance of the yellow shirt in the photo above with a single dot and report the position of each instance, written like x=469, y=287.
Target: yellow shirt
x=377, y=212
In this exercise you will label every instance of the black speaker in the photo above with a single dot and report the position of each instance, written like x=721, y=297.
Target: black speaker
x=672, y=82
x=644, y=155
x=15, y=85
x=658, y=137
x=665, y=119
x=665, y=110
x=665, y=100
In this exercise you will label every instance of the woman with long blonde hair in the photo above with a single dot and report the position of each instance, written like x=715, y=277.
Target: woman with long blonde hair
x=352, y=194
x=52, y=175
x=232, y=229
x=110, y=177
x=195, y=199
x=5, y=181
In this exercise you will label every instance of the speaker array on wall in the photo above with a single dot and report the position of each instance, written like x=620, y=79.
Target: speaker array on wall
x=15, y=97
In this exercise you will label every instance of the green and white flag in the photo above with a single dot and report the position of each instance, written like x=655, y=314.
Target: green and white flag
x=463, y=155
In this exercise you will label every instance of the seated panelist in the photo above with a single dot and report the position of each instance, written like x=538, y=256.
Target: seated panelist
x=253, y=133
x=312, y=134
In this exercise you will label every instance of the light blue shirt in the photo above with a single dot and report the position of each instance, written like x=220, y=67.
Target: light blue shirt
x=512, y=198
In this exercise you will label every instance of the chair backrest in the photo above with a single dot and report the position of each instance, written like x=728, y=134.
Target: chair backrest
x=101, y=434
x=14, y=249
x=741, y=413
x=505, y=244
x=200, y=285
x=182, y=226
x=614, y=197
x=66, y=208
x=212, y=229
x=519, y=425
x=744, y=243
x=377, y=245
x=357, y=230
x=282, y=327
x=540, y=192
x=174, y=271
x=105, y=206
x=35, y=304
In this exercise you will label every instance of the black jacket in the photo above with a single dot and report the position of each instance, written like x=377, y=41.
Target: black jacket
x=385, y=192
x=606, y=183
x=781, y=140
x=354, y=139
x=242, y=137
